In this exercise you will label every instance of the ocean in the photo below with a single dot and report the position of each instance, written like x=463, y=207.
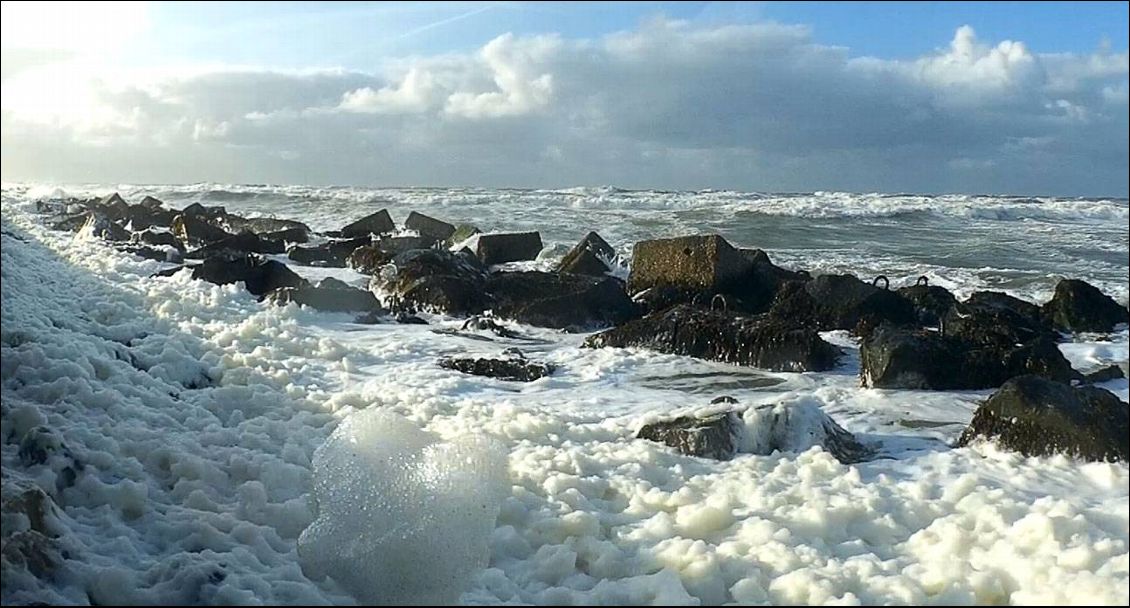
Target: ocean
x=192, y=417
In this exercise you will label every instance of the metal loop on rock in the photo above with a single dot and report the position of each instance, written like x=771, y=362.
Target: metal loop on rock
x=922, y=281
x=719, y=298
x=886, y=281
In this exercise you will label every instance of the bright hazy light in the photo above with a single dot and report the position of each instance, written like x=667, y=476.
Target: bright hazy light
x=71, y=26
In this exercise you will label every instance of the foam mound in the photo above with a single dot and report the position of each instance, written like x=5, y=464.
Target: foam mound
x=403, y=518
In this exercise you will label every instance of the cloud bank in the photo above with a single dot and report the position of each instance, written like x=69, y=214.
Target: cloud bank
x=668, y=105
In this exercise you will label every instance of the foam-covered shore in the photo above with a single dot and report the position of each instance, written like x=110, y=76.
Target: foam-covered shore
x=190, y=414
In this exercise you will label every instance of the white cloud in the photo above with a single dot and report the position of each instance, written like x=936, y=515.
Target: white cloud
x=760, y=106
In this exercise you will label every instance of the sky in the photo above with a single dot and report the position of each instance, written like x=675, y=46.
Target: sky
x=1002, y=97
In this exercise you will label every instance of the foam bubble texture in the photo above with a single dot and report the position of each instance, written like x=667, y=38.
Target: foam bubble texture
x=403, y=518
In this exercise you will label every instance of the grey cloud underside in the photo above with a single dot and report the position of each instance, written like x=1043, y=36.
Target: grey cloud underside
x=669, y=106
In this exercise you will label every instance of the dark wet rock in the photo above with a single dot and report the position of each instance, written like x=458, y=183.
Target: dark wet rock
x=705, y=262
x=508, y=247
x=333, y=253
x=157, y=238
x=1106, y=374
x=166, y=254
x=200, y=211
x=69, y=223
x=101, y=227
x=588, y=257
x=194, y=230
x=377, y=223
x=1038, y=417
x=905, y=358
x=723, y=399
x=238, y=244
x=487, y=324
x=332, y=283
x=269, y=227
x=462, y=233
x=516, y=369
x=1079, y=306
x=931, y=302
x=150, y=202
x=840, y=302
x=571, y=302
x=430, y=227
x=757, y=341
x=261, y=276
x=715, y=436
x=798, y=426
x=404, y=318
x=995, y=319
x=331, y=298
x=369, y=259
x=374, y=317
x=437, y=280
x=28, y=542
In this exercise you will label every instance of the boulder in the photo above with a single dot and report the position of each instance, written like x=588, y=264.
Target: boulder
x=261, y=276
x=995, y=319
x=289, y=235
x=370, y=258
x=930, y=302
x=840, y=302
x=150, y=202
x=330, y=297
x=275, y=228
x=571, y=302
x=194, y=230
x=691, y=262
x=333, y=253
x=462, y=233
x=1105, y=374
x=1079, y=306
x=436, y=280
x=429, y=226
x=758, y=341
x=153, y=253
x=796, y=426
x=98, y=226
x=508, y=247
x=715, y=436
x=1038, y=417
x=235, y=245
x=588, y=257
x=69, y=223
x=158, y=238
x=376, y=223
x=514, y=368
x=905, y=358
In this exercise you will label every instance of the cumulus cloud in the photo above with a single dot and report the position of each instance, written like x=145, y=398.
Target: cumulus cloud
x=668, y=105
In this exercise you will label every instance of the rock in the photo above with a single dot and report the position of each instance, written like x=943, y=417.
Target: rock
x=70, y=223
x=1106, y=374
x=368, y=259
x=515, y=368
x=157, y=237
x=290, y=235
x=1079, y=306
x=494, y=249
x=588, y=257
x=377, y=223
x=715, y=436
x=152, y=253
x=571, y=302
x=429, y=227
x=408, y=319
x=995, y=319
x=261, y=276
x=29, y=538
x=1038, y=417
x=270, y=227
x=796, y=426
x=330, y=298
x=930, y=302
x=193, y=230
x=334, y=253
x=690, y=262
x=436, y=280
x=462, y=233
x=840, y=302
x=238, y=244
x=98, y=226
x=150, y=202
x=894, y=357
x=759, y=341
